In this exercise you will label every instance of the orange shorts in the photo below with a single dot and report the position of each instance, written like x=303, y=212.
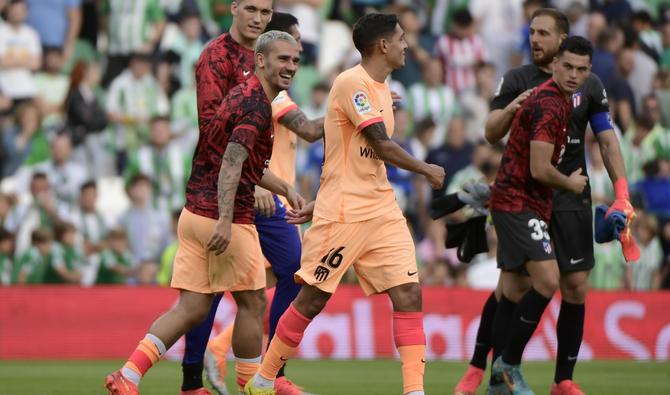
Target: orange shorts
x=239, y=268
x=381, y=250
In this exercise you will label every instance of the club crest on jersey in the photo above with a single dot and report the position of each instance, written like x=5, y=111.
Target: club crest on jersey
x=361, y=102
x=576, y=99
x=547, y=246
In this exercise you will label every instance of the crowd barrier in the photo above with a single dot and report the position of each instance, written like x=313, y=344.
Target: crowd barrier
x=65, y=322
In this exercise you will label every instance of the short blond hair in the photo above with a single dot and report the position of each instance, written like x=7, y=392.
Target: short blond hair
x=266, y=40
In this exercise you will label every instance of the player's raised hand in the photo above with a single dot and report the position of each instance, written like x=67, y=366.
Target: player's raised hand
x=301, y=216
x=294, y=199
x=435, y=176
x=577, y=181
x=516, y=103
x=264, y=202
x=220, y=237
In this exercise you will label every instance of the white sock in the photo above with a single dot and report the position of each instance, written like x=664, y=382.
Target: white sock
x=261, y=382
x=131, y=375
x=158, y=342
x=415, y=393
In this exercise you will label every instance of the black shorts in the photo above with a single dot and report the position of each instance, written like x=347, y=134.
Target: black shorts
x=522, y=237
x=572, y=233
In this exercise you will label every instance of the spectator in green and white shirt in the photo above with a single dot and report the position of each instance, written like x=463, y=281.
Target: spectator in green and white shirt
x=166, y=165
x=133, y=99
x=432, y=97
x=609, y=271
x=116, y=260
x=645, y=274
x=67, y=262
x=133, y=26
x=188, y=45
x=52, y=87
x=6, y=251
x=184, y=116
x=32, y=265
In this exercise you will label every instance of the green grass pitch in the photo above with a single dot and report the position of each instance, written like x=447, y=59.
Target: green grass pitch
x=378, y=377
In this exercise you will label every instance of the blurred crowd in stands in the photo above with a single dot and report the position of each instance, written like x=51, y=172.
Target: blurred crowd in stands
x=98, y=122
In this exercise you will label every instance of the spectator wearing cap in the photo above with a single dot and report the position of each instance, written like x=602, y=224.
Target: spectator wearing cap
x=57, y=23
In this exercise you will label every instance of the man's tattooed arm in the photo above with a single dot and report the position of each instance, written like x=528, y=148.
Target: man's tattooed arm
x=389, y=151
x=229, y=178
x=297, y=122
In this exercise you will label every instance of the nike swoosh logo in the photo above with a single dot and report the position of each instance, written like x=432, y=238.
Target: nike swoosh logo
x=423, y=360
x=575, y=261
x=246, y=73
x=572, y=358
x=410, y=273
x=527, y=321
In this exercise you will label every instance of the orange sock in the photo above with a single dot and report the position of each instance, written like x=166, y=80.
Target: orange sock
x=413, y=363
x=275, y=357
x=410, y=340
x=147, y=353
x=246, y=368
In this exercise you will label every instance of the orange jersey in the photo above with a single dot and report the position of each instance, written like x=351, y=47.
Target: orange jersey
x=354, y=186
x=282, y=162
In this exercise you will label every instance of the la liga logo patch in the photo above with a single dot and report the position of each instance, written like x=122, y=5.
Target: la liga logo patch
x=361, y=102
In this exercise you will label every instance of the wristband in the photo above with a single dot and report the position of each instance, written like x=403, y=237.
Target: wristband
x=621, y=189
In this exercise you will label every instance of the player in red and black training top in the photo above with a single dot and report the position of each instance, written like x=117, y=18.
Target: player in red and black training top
x=571, y=226
x=521, y=201
x=218, y=244
x=226, y=62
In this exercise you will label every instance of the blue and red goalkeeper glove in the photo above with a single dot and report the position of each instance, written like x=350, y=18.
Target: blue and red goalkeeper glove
x=631, y=252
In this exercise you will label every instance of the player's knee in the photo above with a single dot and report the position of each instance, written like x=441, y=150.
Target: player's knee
x=547, y=286
x=406, y=297
x=574, y=291
x=310, y=301
x=193, y=307
x=254, y=302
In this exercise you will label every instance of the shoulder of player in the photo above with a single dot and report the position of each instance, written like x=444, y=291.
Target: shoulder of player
x=354, y=76
x=547, y=96
x=593, y=85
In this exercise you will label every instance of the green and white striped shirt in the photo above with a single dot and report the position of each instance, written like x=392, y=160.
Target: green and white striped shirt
x=131, y=23
x=168, y=170
x=437, y=102
x=5, y=269
x=609, y=271
x=642, y=272
x=138, y=98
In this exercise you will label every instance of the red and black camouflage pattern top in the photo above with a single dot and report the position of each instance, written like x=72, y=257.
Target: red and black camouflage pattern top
x=544, y=117
x=223, y=64
x=244, y=117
